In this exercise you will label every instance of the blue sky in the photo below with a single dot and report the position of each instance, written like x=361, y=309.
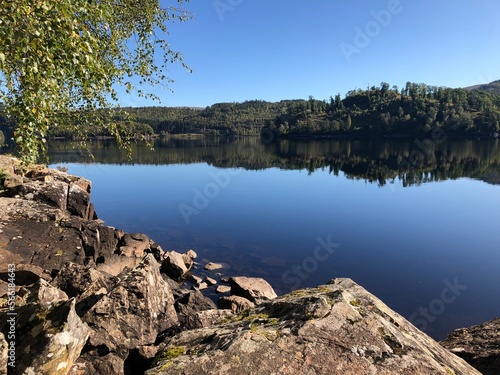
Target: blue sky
x=287, y=49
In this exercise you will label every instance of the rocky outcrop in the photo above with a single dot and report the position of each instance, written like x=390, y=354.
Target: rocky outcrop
x=337, y=328
x=479, y=345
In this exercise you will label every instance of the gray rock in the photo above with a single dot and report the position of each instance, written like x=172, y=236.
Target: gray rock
x=235, y=303
x=79, y=200
x=87, y=284
x=479, y=345
x=54, y=193
x=253, y=288
x=134, y=245
x=334, y=329
x=188, y=305
x=46, y=295
x=116, y=264
x=48, y=341
x=210, y=281
x=134, y=311
x=173, y=265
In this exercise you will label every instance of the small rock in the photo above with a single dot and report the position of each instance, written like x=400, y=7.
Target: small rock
x=224, y=280
x=223, y=289
x=202, y=286
x=210, y=281
x=195, y=279
x=213, y=266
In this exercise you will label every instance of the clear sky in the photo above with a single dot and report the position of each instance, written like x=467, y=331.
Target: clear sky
x=288, y=49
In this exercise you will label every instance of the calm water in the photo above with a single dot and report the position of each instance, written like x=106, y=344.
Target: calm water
x=414, y=223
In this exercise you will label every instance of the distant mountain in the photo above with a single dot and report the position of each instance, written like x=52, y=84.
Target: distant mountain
x=492, y=88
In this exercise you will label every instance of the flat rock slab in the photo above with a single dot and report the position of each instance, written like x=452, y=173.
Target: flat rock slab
x=335, y=329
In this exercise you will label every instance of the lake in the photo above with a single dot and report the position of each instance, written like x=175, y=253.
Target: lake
x=414, y=222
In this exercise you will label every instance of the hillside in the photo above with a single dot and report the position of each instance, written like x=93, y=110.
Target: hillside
x=416, y=110
x=492, y=87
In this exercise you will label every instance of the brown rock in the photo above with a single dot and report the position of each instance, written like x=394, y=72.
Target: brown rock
x=116, y=264
x=223, y=289
x=4, y=353
x=479, y=345
x=210, y=281
x=173, y=265
x=134, y=245
x=134, y=312
x=189, y=258
x=253, y=288
x=213, y=266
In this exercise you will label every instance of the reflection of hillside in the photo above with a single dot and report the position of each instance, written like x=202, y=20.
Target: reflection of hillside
x=374, y=161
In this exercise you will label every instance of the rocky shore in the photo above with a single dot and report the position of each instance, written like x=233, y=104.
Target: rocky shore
x=79, y=297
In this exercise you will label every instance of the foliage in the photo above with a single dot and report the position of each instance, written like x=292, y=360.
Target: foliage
x=62, y=60
x=245, y=118
x=416, y=110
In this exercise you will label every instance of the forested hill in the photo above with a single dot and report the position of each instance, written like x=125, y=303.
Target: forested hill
x=415, y=110
x=245, y=118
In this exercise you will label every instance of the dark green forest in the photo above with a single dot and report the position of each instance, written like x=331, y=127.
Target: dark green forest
x=416, y=110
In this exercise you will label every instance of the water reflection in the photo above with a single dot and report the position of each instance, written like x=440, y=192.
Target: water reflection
x=408, y=161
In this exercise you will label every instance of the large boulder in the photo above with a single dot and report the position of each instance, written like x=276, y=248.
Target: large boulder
x=79, y=200
x=173, y=265
x=252, y=288
x=337, y=328
x=479, y=345
x=86, y=284
x=188, y=305
x=48, y=340
x=133, y=312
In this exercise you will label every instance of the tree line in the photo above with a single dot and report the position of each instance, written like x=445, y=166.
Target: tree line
x=414, y=110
